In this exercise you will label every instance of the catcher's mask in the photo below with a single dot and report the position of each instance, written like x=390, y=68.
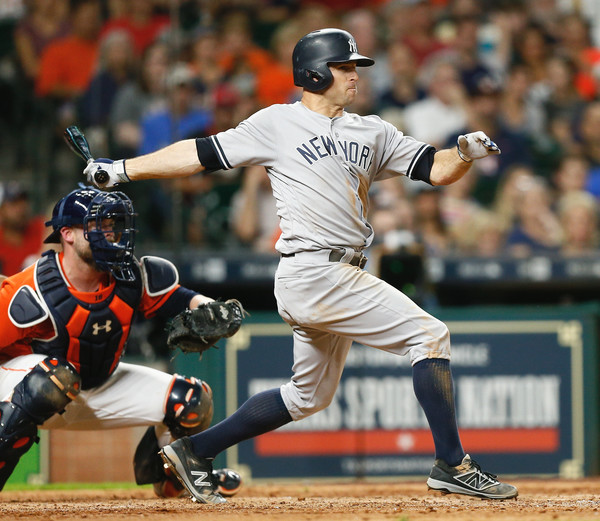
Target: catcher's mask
x=108, y=222
x=315, y=51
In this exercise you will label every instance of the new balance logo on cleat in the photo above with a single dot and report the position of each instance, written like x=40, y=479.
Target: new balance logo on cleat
x=201, y=481
x=477, y=480
x=193, y=472
x=468, y=478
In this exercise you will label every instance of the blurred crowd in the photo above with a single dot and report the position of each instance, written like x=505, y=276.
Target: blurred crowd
x=136, y=75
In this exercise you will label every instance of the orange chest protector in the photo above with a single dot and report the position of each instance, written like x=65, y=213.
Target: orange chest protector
x=91, y=336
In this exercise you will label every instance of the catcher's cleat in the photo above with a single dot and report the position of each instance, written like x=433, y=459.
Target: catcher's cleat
x=228, y=481
x=169, y=486
x=468, y=478
x=194, y=473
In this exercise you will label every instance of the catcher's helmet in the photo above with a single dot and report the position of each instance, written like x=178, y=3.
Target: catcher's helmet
x=108, y=222
x=315, y=51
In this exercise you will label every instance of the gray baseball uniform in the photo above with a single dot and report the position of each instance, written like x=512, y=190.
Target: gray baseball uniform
x=321, y=169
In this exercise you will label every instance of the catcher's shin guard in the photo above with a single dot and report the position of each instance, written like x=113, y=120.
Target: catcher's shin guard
x=147, y=464
x=148, y=467
x=189, y=406
x=188, y=410
x=17, y=435
x=44, y=391
x=47, y=389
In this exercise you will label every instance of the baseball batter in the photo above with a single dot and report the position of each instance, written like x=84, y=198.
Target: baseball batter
x=321, y=161
x=65, y=324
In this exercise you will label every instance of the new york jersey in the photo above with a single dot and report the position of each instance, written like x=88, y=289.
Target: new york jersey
x=320, y=169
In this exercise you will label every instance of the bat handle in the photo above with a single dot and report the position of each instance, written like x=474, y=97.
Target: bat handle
x=100, y=176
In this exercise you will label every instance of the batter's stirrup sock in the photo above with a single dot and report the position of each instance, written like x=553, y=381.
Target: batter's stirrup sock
x=263, y=412
x=432, y=382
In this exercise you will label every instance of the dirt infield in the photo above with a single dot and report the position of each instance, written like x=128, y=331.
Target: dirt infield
x=538, y=500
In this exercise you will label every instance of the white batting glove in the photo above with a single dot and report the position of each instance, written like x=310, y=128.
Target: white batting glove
x=106, y=173
x=475, y=146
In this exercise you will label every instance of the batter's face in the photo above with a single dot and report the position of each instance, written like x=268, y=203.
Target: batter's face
x=343, y=88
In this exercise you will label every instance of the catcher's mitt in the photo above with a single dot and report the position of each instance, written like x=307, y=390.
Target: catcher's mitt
x=196, y=330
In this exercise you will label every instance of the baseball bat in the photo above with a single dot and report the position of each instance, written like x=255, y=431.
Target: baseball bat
x=79, y=144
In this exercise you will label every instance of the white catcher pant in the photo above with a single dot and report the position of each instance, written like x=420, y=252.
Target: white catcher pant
x=331, y=304
x=133, y=396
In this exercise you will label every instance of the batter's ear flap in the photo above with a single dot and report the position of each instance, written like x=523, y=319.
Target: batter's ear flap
x=314, y=76
x=318, y=78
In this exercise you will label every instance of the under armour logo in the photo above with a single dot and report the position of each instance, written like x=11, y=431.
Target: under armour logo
x=201, y=477
x=106, y=327
x=352, y=45
x=224, y=312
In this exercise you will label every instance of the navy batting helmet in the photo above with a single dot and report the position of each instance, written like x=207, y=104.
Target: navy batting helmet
x=315, y=51
x=108, y=222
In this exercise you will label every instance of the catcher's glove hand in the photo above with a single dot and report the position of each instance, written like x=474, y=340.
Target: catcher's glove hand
x=196, y=330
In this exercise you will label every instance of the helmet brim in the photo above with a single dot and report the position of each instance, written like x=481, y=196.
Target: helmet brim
x=53, y=238
x=359, y=59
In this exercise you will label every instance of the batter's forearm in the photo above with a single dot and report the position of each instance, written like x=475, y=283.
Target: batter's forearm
x=447, y=167
x=177, y=160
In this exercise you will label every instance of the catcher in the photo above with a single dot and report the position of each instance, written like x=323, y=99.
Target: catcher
x=65, y=323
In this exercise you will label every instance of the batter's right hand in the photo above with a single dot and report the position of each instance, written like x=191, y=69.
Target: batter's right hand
x=106, y=173
x=475, y=145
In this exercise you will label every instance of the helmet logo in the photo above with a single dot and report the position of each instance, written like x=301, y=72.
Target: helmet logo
x=352, y=45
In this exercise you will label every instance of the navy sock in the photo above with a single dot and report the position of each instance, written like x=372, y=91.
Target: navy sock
x=432, y=382
x=263, y=412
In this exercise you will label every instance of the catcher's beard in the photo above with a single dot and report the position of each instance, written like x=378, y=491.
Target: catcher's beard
x=84, y=252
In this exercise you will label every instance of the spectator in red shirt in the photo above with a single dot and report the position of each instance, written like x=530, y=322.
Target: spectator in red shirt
x=21, y=234
x=141, y=22
x=413, y=23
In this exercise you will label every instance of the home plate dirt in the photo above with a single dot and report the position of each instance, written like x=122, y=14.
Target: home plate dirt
x=561, y=500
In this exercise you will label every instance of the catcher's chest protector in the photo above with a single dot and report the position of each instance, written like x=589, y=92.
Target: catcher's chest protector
x=90, y=336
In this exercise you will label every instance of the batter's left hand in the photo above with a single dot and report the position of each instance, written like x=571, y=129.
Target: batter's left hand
x=475, y=146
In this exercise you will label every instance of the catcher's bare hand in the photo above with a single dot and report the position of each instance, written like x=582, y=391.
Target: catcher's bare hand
x=196, y=330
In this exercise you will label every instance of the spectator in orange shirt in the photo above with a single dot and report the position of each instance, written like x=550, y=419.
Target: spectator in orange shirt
x=68, y=63
x=274, y=84
x=240, y=56
x=21, y=234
